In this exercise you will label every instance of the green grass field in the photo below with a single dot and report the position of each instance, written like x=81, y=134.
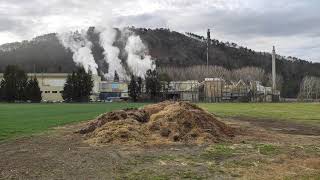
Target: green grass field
x=26, y=119
x=298, y=112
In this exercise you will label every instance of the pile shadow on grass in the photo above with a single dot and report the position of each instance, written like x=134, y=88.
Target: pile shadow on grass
x=163, y=123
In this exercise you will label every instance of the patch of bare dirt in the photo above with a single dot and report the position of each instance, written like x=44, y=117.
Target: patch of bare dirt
x=161, y=123
x=284, y=126
x=253, y=153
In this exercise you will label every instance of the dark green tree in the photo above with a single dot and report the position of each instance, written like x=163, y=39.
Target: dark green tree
x=78, y=86
x=133, y=89
x=14, y=84
x=140, y=86
x=116, y=77
x=68, y=90
x=1, y=90
x=33, y=90
x=153, y=84
x=165, y=81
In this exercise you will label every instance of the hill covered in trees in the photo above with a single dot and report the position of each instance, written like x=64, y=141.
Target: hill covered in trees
x=168, y=48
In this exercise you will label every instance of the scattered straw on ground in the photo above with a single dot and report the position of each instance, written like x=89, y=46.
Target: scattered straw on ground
x=162, y=123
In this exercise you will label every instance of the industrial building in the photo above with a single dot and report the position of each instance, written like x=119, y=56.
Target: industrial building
x=51, y=85
x=113, y=91
x=182, y=90
x=210, y=90
x=218, y=90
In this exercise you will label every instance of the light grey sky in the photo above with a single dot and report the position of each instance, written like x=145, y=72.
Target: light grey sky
x=293, y=26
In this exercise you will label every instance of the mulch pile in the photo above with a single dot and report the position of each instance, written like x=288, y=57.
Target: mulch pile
x=162, y=123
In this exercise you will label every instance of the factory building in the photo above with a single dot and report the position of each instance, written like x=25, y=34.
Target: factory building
x=218, y=90
x=113, y=91
x=212, y=89
x=182, y=90
x=51, y=85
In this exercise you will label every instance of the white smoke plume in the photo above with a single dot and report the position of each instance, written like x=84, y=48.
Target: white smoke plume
x=111, y=53
x=138, y=59
x=78, y=43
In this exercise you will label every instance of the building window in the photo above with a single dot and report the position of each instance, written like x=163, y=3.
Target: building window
x=47, y=92
x=54, y=92
x=61, y=92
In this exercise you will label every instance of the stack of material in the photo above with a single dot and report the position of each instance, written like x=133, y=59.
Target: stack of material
x=162, y=123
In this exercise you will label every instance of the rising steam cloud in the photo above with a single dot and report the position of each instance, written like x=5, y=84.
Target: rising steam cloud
x=138, y=59
x=78, y=43
x=111, y=53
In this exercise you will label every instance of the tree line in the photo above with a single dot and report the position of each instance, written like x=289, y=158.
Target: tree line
x=78, y=86
x=149, y=89
x=200, y=72
x=310, y=88
x=16, y=87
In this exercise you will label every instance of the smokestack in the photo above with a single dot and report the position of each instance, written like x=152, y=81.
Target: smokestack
x=274, y=86
x=208, y=47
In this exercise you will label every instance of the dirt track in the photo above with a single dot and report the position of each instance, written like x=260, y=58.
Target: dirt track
x=257, y=150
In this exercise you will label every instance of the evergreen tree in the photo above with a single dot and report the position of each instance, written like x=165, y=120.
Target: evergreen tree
x=68, y=89
x=153, y=85
x=14, y=84
x=140, y=86
x=165, y=81
x=1, y=90
x=78, y=86
x=85, y=85
x=116, y=77
x=33, y=90
x=133, y=89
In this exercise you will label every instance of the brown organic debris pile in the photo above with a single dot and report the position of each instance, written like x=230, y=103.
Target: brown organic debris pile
x=161, y=123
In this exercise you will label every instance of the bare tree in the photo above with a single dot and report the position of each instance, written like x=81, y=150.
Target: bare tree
x=249, y=74
x=310, y=88
x=268, y=81
x=195, y=72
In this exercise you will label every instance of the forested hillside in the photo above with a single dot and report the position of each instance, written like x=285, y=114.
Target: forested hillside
x=168, y=48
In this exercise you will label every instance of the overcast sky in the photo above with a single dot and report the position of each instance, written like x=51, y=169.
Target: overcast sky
x=293, y=26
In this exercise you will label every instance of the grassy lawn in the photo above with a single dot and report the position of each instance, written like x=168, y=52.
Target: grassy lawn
x=299, y=112
x=26, y=119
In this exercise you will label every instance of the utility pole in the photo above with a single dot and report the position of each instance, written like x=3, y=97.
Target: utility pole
x=274, y=85
x=208, y=48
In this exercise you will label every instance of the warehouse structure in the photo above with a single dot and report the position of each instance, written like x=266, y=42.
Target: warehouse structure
x=218, y=90
x=182, y=90
x=113, y=91
x=51, y=85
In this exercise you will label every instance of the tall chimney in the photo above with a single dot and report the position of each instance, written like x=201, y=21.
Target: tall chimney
x=274, y=84
x=208, y=47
